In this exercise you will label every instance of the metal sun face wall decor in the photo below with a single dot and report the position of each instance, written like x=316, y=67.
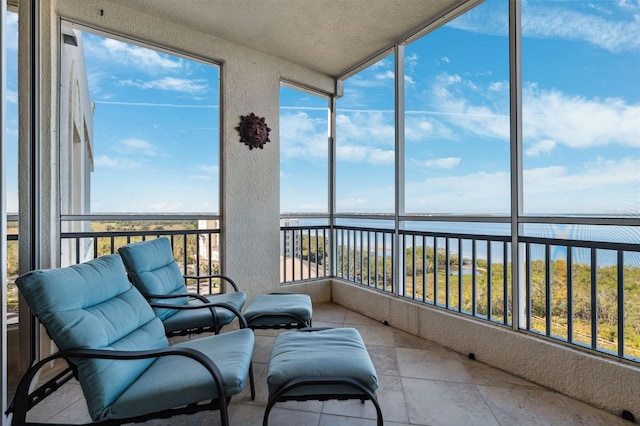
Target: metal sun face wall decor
x=253, y=131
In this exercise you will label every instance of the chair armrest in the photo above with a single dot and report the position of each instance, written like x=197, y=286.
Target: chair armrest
x=200, y=297
x=23, y=400
x=224, y=277
x=208, y=305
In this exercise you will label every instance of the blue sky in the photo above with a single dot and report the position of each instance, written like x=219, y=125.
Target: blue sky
x=157, y=118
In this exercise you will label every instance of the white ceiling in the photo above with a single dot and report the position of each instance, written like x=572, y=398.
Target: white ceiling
x=329, y=36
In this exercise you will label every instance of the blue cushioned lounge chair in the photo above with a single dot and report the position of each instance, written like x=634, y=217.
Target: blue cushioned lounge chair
x=117, y=349
x=154, y=271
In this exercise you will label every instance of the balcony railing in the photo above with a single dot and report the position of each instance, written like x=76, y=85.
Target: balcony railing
x=579, y=292
x=304, y=253
x=194, y=250
x=593, y=304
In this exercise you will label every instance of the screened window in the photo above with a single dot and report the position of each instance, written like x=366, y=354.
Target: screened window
x=457, y=116
x=581, y=108
x=365, y=141
x=143, y=135
x=11, y=115
x=304, y=152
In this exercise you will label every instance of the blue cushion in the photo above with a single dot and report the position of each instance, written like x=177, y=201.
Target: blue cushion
x=153, y=270
x=176, y=380
x=274, y=304
x=93, y=306
x=333, y=352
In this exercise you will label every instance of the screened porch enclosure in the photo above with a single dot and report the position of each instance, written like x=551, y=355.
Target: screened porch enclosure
x=467, y=173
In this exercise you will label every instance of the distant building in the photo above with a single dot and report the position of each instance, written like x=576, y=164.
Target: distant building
x=209, y=244
x=76, y=145
x=290, y=240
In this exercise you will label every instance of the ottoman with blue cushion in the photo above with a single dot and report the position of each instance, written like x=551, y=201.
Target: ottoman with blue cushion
x=321, y=364
x=279, y=310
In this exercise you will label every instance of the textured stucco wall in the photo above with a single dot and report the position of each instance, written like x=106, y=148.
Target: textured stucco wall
x=600, y=381
x=250, y=179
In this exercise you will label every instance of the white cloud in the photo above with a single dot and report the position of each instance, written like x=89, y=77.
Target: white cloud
x=387, y=75
x=540, y=147
x=208, y=169
x=452, y=103
x=606, y=33
x=498, y=86
x=471, y=193
x=366, y=136
x=12, y=96
x=378, y=156
x=601, y=186
x=114, y=51
x=302, y=136
x=443, y=163
x=353, y=204
x=138, y=146
x=351, y=153
x=184, y=85
x=371, y=128
x=206, y=172
x=382, y=63
x=573, y=121
x=423, y=125
x=106, y=162
x=411, y=60
x=579, y=122
x=613, y=30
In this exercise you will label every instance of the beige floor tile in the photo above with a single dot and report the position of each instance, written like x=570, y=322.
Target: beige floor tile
x=262, y=348
x=406, y=340
x=434, y=403
x=64, y=404
x=378, y=335
x=526, y=406
x=328, y=312
x=245, y=415
x=326, y=324
x=353, y=318
x=483, y=374
x=333, y=420
x=384, y=360
x=593, y=416
x=438, y=364
x=311, y=406
x=77, y=412
x=260, y=379
x=286, y=417
x=391, y=399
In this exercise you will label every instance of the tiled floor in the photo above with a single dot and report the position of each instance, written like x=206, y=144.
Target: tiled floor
x=421, y=383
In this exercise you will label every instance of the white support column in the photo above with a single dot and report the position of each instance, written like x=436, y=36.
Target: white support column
x=3, y=207
x=515, y=87
x=399, y=163
x=332, y=176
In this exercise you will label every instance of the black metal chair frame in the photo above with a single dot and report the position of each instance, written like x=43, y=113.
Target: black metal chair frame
x=24, y=400
x=206, y=303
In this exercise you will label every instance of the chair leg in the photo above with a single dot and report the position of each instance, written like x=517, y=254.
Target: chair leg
x=252, y=382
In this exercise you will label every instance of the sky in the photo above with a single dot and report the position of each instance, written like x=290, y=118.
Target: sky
x=156, y=122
